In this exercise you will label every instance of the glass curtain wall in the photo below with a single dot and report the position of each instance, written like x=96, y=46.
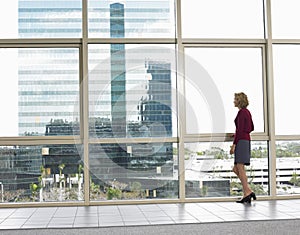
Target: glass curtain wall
x=41, y=96
x=133, y=100
x=285, y=54
x=286, y=82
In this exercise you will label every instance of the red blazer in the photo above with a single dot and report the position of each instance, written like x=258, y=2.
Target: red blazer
x=244, y=125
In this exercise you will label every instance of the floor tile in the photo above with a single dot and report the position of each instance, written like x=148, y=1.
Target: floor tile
x=130, y=215
x=86, y=225
x=294, y=214
x=129, y=223
x=55, y=225
x=85, y=214
x=134, y=218
x=17, y=223
x=185, y=217
x=185, y=221
x=199, y=213
x=84, y=220
x=111, y=223
x=256, y=218
x=231, y=217
x=10, y=226
x=210, y=219
x=34, y=226
x=62, y=214
x=40, y=217
x=163, y=222
x=149, y=208
x=6, y=213
x=69, y=220
x=157, y=219
x=87, y=211
x=38, y=220
x=20, y=215
x=108, y=211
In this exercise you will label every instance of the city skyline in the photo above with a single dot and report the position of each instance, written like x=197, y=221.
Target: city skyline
x=55, y=85
x=131, y=100
x=63, y=104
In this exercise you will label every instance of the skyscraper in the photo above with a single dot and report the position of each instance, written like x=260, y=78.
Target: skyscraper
x=48, y=78
x=156, y=108
x=118, y=71
x=156, y=113
x=49, y=83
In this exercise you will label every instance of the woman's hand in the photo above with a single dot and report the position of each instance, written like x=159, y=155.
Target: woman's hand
x=232, y=148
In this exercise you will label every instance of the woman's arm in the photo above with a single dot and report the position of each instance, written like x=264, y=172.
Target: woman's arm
x=232, y=149
x=240, y=125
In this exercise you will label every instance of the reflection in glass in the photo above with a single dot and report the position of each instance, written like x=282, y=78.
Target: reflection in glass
x=141, y=19
x=208, y=170
x=40, y=92
x=133, y=171
x=288, y=167
x=45, y=173
x=136, y=96
x=41, y=19
x=49, y=19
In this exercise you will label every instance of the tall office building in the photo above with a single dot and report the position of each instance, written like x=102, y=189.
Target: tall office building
x=156, y=113
x=148, y=163
x=48, y=88
x=49, y=77
x=48, y=81
x=135, y=162
x=156, y=108
x=118, y=72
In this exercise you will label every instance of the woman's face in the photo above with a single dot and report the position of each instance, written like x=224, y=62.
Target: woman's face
x=235, y=102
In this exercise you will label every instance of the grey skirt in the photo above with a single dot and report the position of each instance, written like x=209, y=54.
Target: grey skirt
x=242, y=152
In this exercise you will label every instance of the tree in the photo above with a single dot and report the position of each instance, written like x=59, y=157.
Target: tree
x=34, y=189
x=61, y=179
x=295, y=180
x=204, y=190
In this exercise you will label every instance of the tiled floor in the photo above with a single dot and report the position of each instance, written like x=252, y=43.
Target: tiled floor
x=125, y=215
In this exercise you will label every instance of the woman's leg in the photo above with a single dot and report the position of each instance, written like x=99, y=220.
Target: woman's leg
x=244, y=180
x=236, y=170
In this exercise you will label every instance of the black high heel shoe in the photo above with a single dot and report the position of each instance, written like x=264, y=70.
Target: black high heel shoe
x=253, y=196
x=246, y=199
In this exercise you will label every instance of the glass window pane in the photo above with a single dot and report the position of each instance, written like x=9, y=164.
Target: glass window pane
x=132, y=90
x=133, y=171
x=131, y=19
x=208, y=170
x=41, y=19
x=286, y=19
x=212, y=76
x=39, y=92
x=222, y=19
x=286, y=89
x=48, y=173
x=288, y=167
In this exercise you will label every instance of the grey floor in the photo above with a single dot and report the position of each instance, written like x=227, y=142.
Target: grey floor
x=151, y=214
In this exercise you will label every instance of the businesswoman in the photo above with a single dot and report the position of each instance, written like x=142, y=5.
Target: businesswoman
x=241, y=147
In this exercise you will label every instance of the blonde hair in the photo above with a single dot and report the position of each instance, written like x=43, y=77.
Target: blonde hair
x=242, y=99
